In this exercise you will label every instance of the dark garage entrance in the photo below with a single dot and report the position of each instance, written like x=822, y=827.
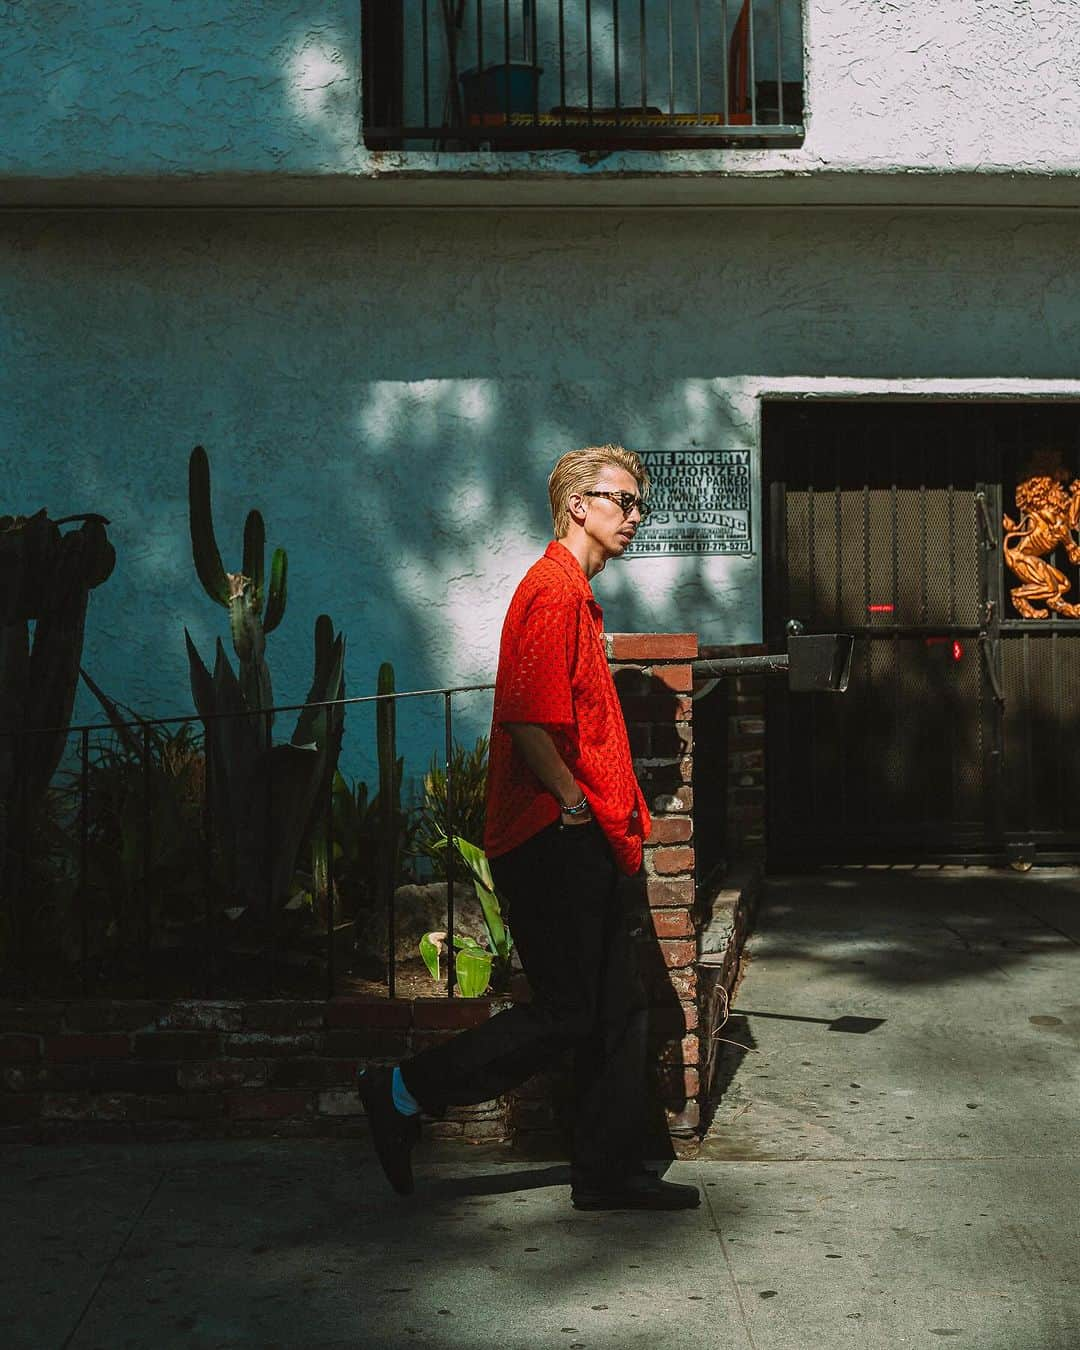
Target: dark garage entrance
x=959, y=737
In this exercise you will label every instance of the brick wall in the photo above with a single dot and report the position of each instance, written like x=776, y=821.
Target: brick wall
x=137, y=1069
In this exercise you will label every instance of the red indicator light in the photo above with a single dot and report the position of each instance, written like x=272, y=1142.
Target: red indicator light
x=957, y=650
x=879, y=609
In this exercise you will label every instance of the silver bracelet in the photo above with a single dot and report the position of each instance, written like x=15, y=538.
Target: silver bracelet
x=577, y=810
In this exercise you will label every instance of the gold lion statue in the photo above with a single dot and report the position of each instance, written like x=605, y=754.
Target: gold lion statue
x=1049, y=517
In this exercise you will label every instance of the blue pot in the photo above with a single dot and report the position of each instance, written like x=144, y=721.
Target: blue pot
x=484, y=92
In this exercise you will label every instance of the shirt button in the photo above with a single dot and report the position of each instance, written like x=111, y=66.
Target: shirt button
x=633, y=814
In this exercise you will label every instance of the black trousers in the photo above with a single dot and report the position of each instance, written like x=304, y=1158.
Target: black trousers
x=573, y=939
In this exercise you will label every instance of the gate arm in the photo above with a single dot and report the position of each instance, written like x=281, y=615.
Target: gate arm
x=813, y=663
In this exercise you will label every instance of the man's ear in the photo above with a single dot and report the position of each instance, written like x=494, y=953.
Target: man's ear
x=575, y=504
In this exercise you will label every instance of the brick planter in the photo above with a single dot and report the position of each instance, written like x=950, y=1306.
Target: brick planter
x=129, y=1069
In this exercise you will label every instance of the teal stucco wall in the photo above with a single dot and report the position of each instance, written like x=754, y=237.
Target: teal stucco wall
x=391, y=390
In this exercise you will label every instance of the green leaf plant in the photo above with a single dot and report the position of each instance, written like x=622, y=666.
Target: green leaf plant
x=477, y=967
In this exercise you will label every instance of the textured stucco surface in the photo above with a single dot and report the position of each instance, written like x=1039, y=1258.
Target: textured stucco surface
x=391, y=389
x=233, y=91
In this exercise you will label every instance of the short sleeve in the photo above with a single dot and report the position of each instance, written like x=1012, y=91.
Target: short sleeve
x=539, y=685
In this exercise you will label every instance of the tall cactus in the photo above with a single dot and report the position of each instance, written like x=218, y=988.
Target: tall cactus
x=241, y=593
x=263, y=795
x=46, y=578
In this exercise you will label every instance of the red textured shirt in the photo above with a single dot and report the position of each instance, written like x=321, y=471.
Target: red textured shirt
x=553, y=671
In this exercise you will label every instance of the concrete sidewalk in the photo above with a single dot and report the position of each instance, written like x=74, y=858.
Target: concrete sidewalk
x=895, y=1162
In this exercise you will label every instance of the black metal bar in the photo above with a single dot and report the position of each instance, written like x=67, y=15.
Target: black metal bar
x=451, y=847
x=616, y=61
x=725, y=43
x=697, y=56
x=480, y=35
x=644, y=40
x=210, y=935
x=147, y=846
x=838, y=516
x=268, y=855
x=1029, y=760
x=588, y=58
x=507, y=58
x=74, y=728
x=22, y=885
x=562, y=60
x=671, y=58
x=779, y=64
x=751, y=64
x=84, y=848
x=425, y=47
x=534, y=79
x=329, y=826
x=741, y=665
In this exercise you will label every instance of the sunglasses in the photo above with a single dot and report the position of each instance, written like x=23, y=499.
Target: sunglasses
x=626, y=501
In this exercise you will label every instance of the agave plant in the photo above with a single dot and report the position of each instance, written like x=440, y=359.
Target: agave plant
x=263, y=796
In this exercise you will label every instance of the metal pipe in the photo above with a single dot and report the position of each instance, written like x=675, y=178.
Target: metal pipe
x=84, y=843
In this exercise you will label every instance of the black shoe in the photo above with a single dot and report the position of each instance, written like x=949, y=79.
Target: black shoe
x=392, y=1133
x=641, y=1190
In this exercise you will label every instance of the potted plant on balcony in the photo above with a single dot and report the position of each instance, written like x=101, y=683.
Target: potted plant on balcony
x=493, y=93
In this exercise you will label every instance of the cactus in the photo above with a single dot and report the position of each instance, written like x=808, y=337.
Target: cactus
x=46, y=578
x=264, y=796
x=252, y=613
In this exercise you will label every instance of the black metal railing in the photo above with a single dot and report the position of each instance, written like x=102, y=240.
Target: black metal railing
x=581, y=74
x=114, y=883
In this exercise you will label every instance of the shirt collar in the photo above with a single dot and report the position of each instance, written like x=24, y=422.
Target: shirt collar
x=559, y=553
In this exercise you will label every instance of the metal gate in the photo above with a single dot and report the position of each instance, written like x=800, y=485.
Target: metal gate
x=959, y=736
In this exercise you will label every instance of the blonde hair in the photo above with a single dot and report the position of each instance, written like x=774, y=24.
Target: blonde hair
x=578, y=471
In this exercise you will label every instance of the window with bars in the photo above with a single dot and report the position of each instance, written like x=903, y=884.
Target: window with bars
x=581, y=74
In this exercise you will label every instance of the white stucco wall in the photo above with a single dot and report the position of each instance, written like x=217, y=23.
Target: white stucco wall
x=392, y=388
x=229, y=96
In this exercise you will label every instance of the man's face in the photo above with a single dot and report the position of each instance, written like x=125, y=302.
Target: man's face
x=605, y=522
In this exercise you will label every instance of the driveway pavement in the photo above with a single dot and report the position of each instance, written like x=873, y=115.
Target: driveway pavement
x=895, y=1162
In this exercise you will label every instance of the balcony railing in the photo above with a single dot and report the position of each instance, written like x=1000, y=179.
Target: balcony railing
x=581, y=74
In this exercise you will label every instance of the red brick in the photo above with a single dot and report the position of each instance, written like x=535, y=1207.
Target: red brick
x=485, y=1131
x=685, y=1119
x=262, y=1045
x=678, y=954
x=201, y=1015
x=670, y=892
x=266, y=1105
x=652, y=646
x=671, y=830
x=424, y=1040
x=672, y=1019
x=672, y=923
x=669, y=862
x=15, y=1109
x=682, y=983
x=680, y=679
x=670, y=741
x=286, y=1014
x=113, y=1014
x=671, y=1051
x=679, y=1082
x=37, y=1018
x=87, y=1047
x=640, y=736
x=125, y=1075
x=215, y=1074
x=57, y=1106
x=662, y=708
x=447, y=1012
x=312, y=1073
x=672, y=803
x=19, y=1049
x=369, y=1012
x=184, y=1106
x=177, y=1044
x=365, y=1043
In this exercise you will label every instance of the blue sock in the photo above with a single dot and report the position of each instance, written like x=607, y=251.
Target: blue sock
x=405, y=1102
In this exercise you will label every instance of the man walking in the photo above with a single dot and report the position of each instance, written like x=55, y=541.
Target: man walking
x=565, y=816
